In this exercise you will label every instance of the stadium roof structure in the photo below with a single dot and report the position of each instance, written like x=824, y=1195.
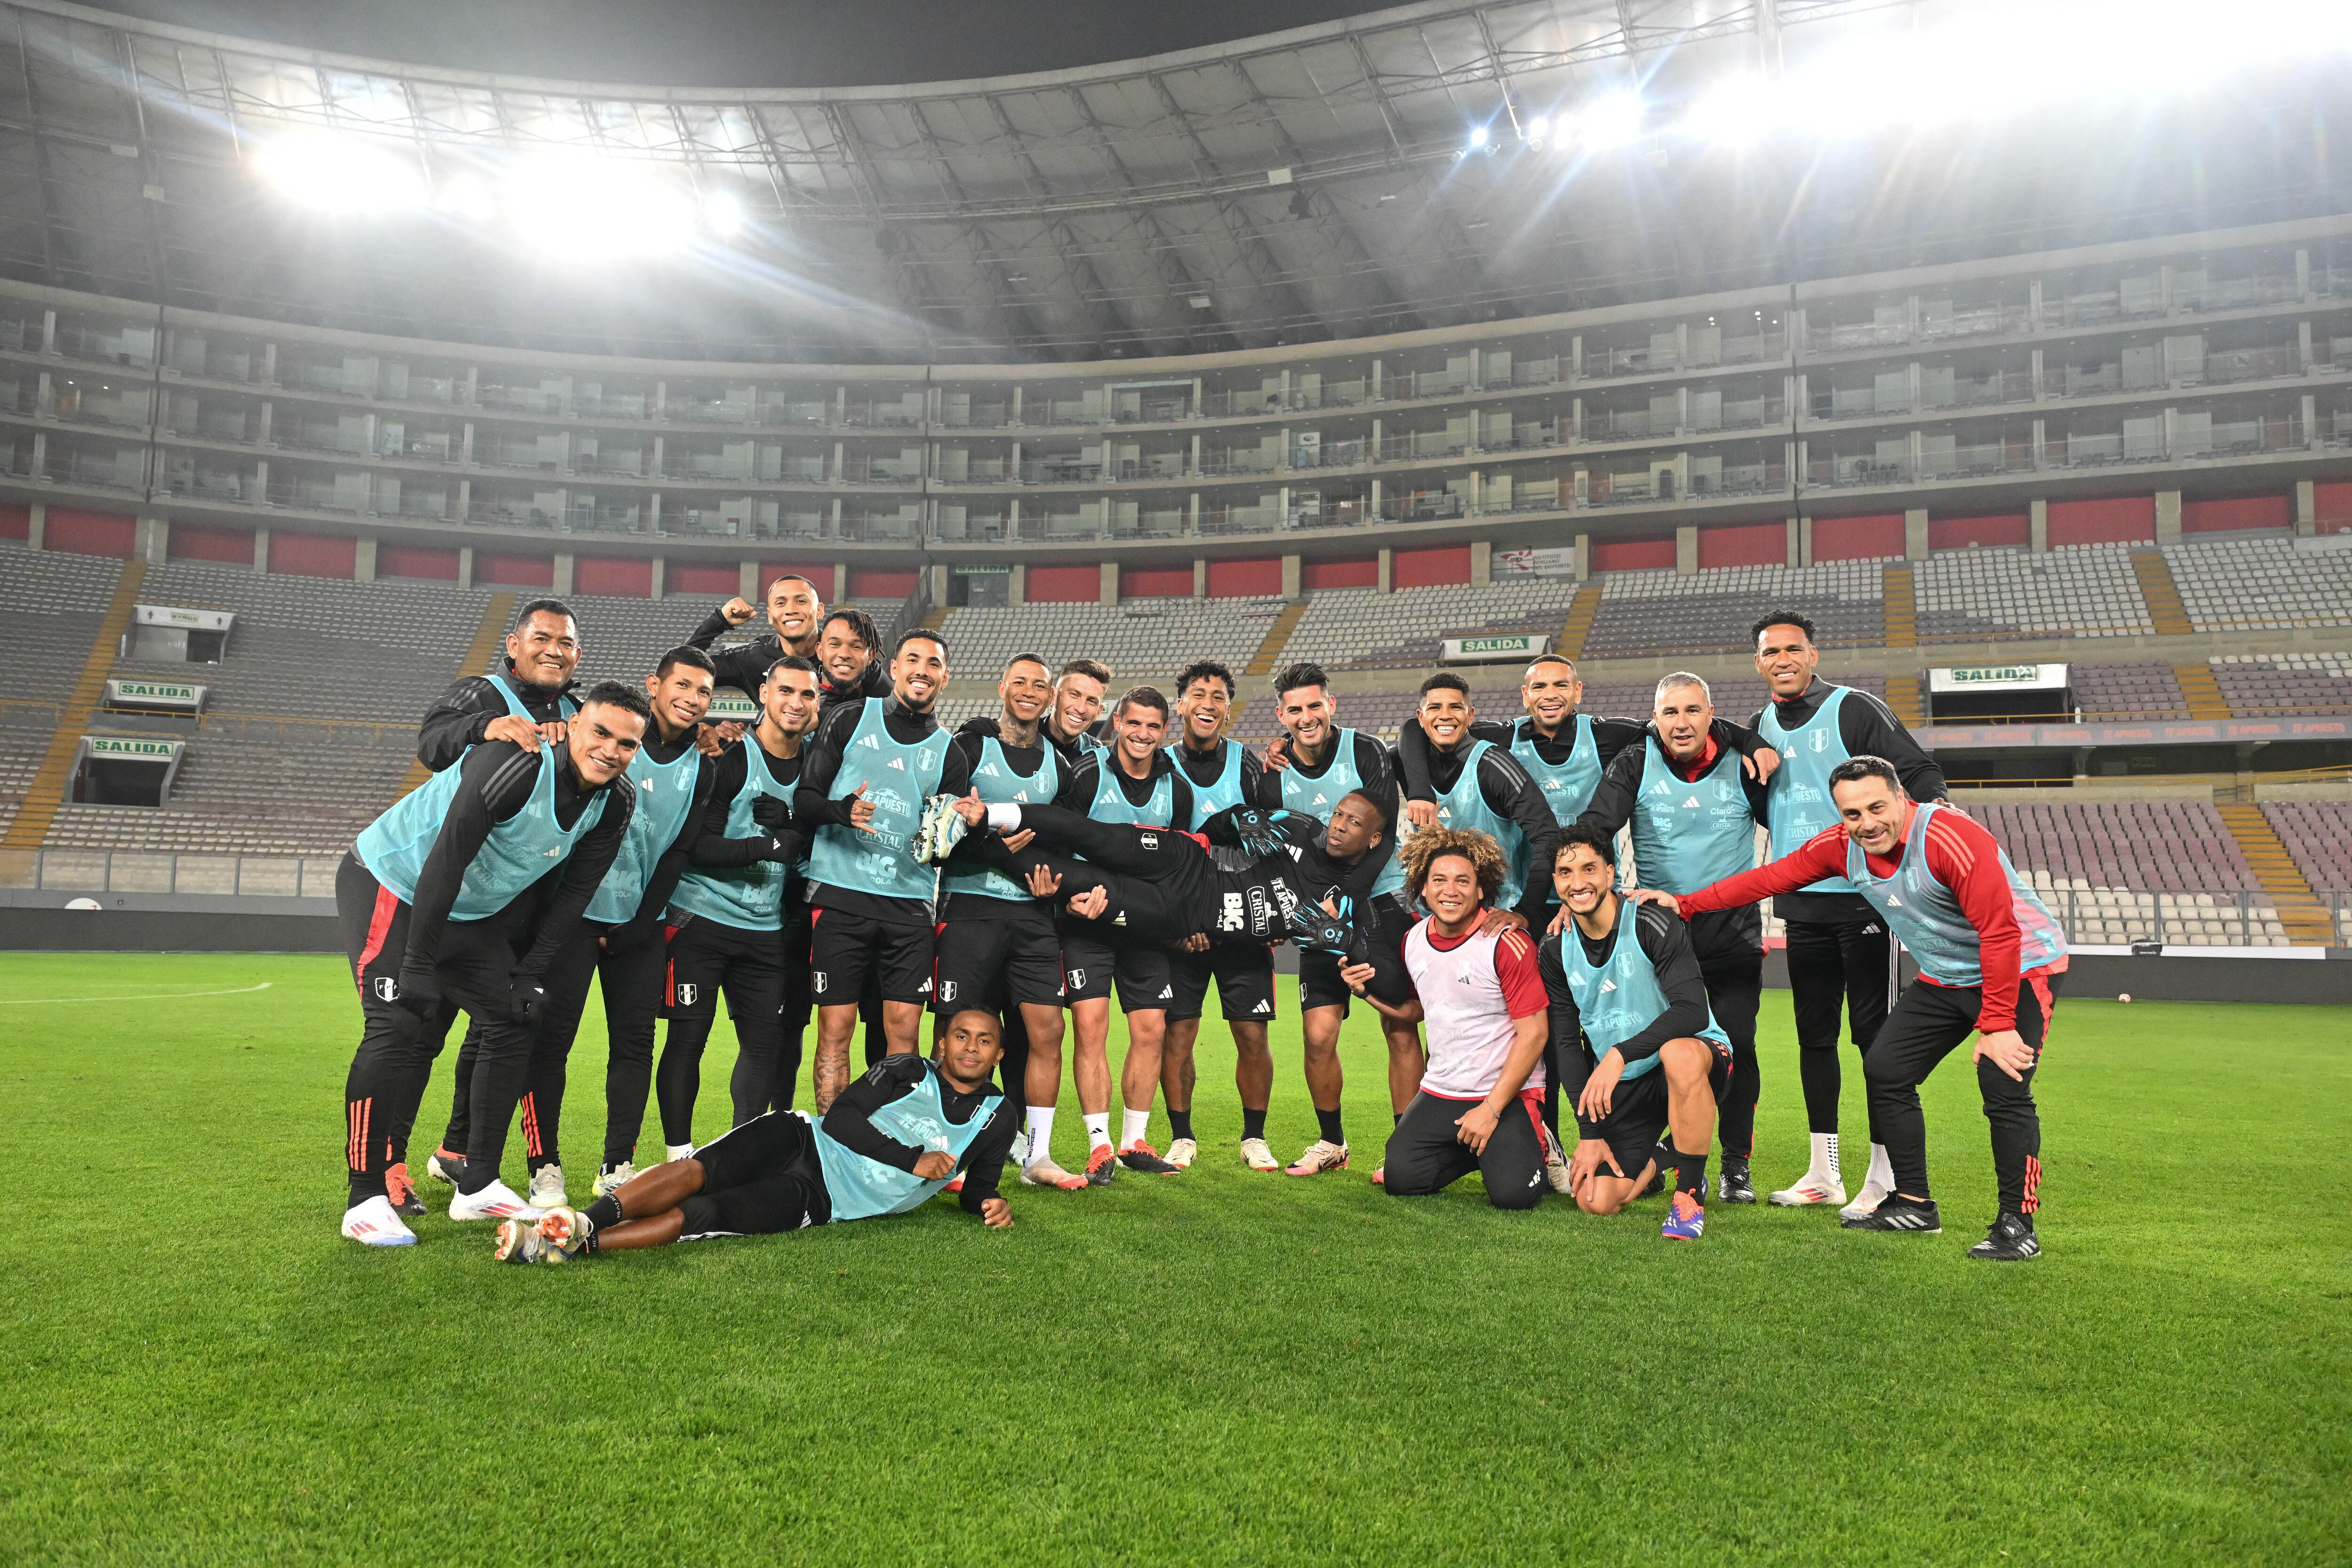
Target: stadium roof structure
x=1430, y=165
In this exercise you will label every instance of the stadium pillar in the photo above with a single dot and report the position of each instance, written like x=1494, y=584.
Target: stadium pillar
x=2168, y=517
x=36, y=526
x=363, y=562
x=1017, y=591
x=464, y=566
x=152, y=540
x=261, y=557
x=1199, y=577
x=1481, y=563
x=1387, y=571
x=1110, y=594
x=938, y=586
x=1915, y=534
x=1790, y=556
x=747, y=580
x=1804, y=540
x=2307, y=510
x=562, y=589
x=660, y=571
x=840, y=579
x=1290, y=574
x=1686, y=549
x=1583, y=557
x=2038, y=526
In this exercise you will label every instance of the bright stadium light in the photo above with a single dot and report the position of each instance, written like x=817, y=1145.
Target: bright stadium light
x=1737, y=113
x=342, y=174
x=1537, y=128
x=1610, y=121
x=470, y=198
x=585, y=208
x=1477, y=137
x=723, y=214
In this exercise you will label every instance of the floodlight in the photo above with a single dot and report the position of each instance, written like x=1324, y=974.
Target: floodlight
x=1736, y=113
x=723, y=214
x=1477, y=137
x=1610, y=121
x=589, y=208
x=340, y=174
x=1537, y=130
x=468, y=197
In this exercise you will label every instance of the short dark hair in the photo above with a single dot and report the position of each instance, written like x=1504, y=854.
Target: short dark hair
x=1291, y=677
x=860, y=624
x=1797, y=618
x=690, y=655
x=793, y=577
x=1369, y=799
x=1093, y=669
x=1142, y=697
x=617, y=694
x=1445, y=681
x=1854, y=770
x=542, y=606
x=1036, y=659
x=1549, y=658
x=917, y=633
x=1602, y=844
x=1203, y=669
x=792, y=661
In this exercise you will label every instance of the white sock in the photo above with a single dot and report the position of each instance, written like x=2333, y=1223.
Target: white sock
x=678, y=1150
x=1097, y=1128
x=1825, y=1156
x=1882, y=1169
x=1133, y=1125
x=1041, y=1132
x=1005, y=817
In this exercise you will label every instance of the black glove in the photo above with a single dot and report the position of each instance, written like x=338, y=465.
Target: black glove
x=629, y=935
x=415, y=992
x=1316, y=932
x=1257, y=832
x=783, y=851
x=524, y=1000
x=773, y=812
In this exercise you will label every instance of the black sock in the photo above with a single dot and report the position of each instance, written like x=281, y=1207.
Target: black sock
x=1690, y=1172
x=1253, y=1123
x=604, y=1211
x=1328, y=1120
x=1180, y=1123
x=364, y=1186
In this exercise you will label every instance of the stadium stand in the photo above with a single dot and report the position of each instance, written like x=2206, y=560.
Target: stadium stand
x=2263, y=583
x=2116, y=867
x=2127, y=692
x=1142, y=640
x=2318, y=835
x=2260, y=684
x=1362, y=626
x=50, y=605
x=2081, y=591
x=1654, y=612
x=232, y=795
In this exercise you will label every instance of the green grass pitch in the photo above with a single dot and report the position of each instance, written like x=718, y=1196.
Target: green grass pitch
x=1217, y=1368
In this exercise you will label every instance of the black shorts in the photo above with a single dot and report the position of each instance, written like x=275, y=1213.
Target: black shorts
x=707, y=955
x=1089, y=965
x=1426, y=1155
x=1637, y=1113
x=761, y=1178
x=1384, y=922
x=1244, y=975
x=1014, y=960
x=847, y=949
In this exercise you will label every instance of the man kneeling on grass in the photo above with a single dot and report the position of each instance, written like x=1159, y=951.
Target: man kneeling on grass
x=890, y=1141
x=1639, y=1051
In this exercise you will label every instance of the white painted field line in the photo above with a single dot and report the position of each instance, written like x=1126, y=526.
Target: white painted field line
x=151, y=996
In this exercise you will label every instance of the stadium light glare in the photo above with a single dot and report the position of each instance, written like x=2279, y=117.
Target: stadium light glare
x=1737, y=114
x=342, y=174
x=1477, y=137
x=1537, y=128
x=723, y=214
x=591, y=209
x=1610, y=121
x=470, y=198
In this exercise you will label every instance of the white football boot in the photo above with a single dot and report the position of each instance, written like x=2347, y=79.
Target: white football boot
x=373, y=1224
x=497, y=1201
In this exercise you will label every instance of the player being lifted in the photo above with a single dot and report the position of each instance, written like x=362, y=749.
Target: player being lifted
x=892, y=1140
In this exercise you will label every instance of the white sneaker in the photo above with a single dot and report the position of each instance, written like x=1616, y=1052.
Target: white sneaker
x=1320, y=1156
x=497, y=1201
x=1259, y=1156
x=610, y=1179
x=547, y=1187
x=373, y=1224
x=940, y=829
x=1184, y=1152
x=1018, y=1155
x=1874, y=1193
x=1809, y=1189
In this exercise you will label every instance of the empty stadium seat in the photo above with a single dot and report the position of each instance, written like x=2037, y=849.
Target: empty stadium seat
x=2125, y=693
x=1144, y=641
x=2259, y=685
x=1345, y=627
x=2263, y=583
x=2080, y=591
x=1669, y=612
x=2124, y=871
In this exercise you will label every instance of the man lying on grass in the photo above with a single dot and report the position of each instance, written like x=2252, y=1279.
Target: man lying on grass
x=890, y=1141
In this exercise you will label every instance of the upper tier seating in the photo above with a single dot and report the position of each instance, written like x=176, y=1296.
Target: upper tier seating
x=2083, y=591
x=2259, y=685
x=1365, y=627
x=1144, y=641
x=2127, y=692
x=51, y=605
x=1666, y=612
x=2230, y=584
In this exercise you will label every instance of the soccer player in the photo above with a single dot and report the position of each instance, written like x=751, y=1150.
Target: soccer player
x=998, y=948
x=1693, y=808
x=1839, y=952
x=894, y=1137
x=1309, y=770
x=1224, y=774
x=1990, y=956
x=620, y=941
x=1132, y=784
x=449, y=893
x=731, y=913
x=525, y=702
x=796, y=611
x=1075, y=724
x=1631, y=1029
x=1479, y=788
x=871, y=764
x=1479, y=1107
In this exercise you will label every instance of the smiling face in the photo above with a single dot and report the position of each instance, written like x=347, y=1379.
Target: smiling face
x=601, y=740
x=969, y=1049
x=1077, y=703
x=918, y=673
x=1451, y=892
x=1876, y=816
x=1354, y=827
x=1550, y=692
x=1582, y=879
x=1446, y=716
x=545, y=648
x=789, y=700
x=1140, y=731
x=1026, y=690
x=680, y=696
x=842, y=653
x=1305, y=714
x=794, y=610
x=1203, y=707
x=1683, y=715
x=1786, y=658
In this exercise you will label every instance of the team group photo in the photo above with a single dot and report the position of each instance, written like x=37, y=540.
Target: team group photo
x=1315, y=783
